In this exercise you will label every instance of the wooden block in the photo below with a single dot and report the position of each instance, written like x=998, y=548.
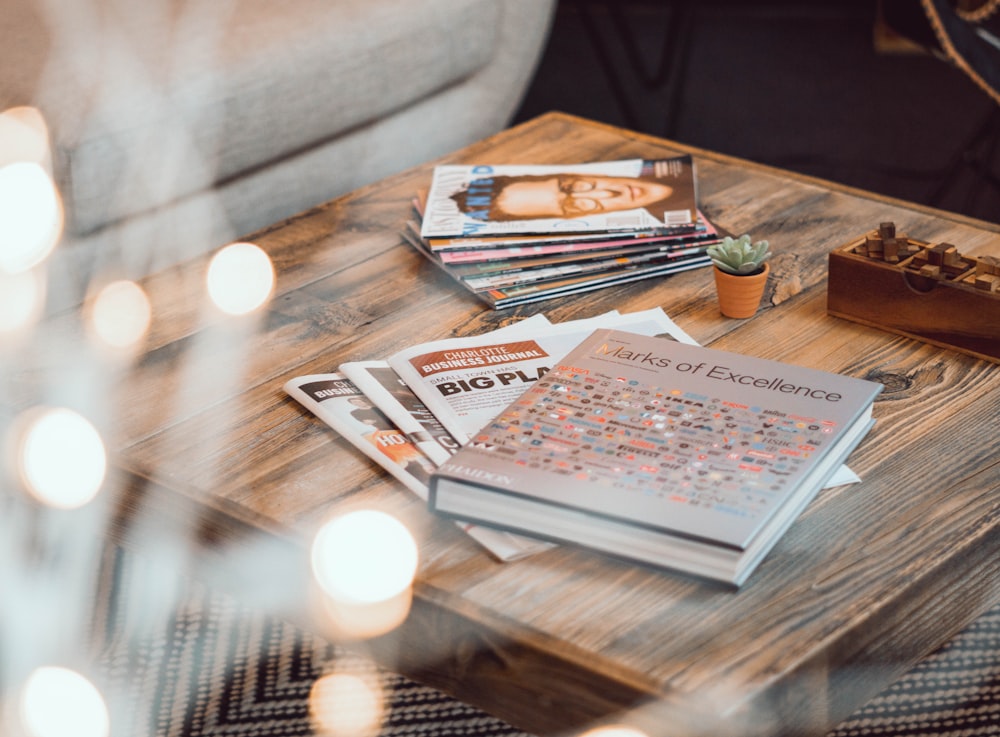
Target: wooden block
x=936, y=253
x=887, y=230
x=890, y=250
x=988, y=265
x=931, y=270
x=987, y=282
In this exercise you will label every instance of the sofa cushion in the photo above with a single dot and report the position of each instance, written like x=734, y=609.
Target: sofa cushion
x=152, y=101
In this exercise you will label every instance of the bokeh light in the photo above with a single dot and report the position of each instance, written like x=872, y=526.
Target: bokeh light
x=58, y=702
x=346, y=705
x=364, y=563
x=61, y=458
x=24, y=136
x=364, y=556
x=31, y=216
x=240, y=278
x=614, y=730
x=22, y=297
x=121, y=314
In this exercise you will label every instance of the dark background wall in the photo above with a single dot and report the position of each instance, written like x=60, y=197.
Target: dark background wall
x=800, y=85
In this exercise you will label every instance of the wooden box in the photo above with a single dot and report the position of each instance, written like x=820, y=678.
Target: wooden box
x=925, y=291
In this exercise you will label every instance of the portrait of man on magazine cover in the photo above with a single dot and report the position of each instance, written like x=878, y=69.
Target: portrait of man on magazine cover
x=501, y=198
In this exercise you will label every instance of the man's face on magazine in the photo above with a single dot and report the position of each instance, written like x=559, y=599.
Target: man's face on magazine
x=577, y=195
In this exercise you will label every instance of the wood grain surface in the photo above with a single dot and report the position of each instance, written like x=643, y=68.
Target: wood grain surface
x=870, y=579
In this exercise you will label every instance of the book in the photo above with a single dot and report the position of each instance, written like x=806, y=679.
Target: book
x=336, y=401
x=652, y=196
x=659, y=451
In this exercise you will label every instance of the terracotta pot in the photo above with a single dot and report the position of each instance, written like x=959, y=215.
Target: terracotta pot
x=739, y=296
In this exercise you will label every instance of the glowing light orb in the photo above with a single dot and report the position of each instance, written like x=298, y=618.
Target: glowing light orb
x=31, y=216
x=24, y=136
x=240, y=278
x=615, y=730
x=21, y=298
x=62, y=459
x=58, y=702
x=344, y=705
x=364, y=556
x=121, y=314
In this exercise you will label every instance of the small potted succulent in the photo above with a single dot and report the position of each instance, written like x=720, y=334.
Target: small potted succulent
x=741, y=271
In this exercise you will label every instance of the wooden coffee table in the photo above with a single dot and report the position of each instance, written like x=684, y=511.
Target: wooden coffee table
x=211, y=455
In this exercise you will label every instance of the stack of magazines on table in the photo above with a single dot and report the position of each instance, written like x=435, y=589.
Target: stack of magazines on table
x=515, y=234
x=617, y=432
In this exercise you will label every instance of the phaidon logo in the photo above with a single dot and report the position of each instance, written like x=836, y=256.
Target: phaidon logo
x=487, y=477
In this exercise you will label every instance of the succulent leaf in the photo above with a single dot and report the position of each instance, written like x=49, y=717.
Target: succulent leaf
x=739, y=256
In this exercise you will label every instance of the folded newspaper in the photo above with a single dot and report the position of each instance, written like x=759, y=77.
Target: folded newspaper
x=410, y=411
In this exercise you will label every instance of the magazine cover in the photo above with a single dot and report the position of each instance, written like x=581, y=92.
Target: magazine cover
x=629, y=195
x=394, y=398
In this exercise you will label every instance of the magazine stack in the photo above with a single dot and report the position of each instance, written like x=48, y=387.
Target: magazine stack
x=617, y=432
x=516, y=234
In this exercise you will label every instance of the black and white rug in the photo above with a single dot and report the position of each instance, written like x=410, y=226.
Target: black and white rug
x=213, y=668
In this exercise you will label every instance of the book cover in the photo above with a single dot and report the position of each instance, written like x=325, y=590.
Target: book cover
x=659, y=451
x=629, y=195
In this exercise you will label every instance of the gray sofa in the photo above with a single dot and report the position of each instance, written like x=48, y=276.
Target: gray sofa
x=179, y=125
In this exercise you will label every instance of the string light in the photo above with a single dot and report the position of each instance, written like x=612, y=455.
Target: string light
x=59, y=702
x=121, y=314
x=364, y=563
x=614, y=730
x=61, y=458
x=345, y=705
x=31, y=216
x=240, y=278
x=22, y=296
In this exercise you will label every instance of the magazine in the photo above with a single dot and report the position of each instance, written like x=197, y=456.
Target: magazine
x=342, y=406
x=379, y=383
x=562, y=243
x=537, y=290
x=654, y=196
x=465, y=382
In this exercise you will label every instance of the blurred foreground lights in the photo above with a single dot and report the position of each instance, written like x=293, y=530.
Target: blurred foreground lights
x=58, y=702
x=346, y=705
x=121, y=314
x=31, y=216
x=614, y=730
x=24, y=136
x=61, y=458
x=22, y=297
x=364, y=563
x=240, y=278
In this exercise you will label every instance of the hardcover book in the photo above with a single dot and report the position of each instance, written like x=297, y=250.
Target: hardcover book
x=660, y=451
x=653, y=196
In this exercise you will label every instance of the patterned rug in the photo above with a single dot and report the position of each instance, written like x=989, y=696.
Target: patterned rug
x=213, y=668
